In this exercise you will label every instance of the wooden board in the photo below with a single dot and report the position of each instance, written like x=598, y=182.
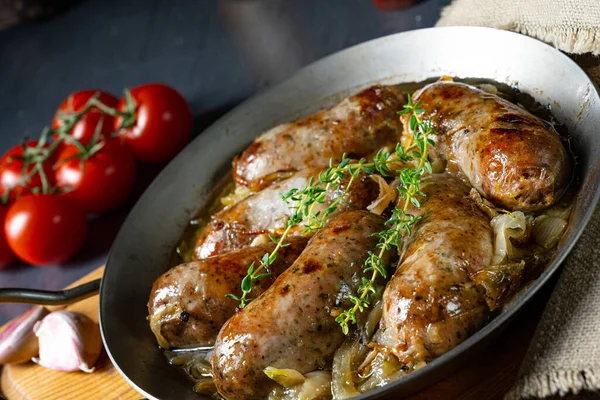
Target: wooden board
x=29, y=381
x=488, y=376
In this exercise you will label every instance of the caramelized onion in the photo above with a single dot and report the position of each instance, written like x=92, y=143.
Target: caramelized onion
x=500, y=282
x=383, y=369
x=353, y=352
x=559, y=211
x=285, y=377
x=314, y=385
x=488, y=87
x=205, y=386
x=506, y=228
x=239, y=194
x=317, y=386
x=547, y=231
x=345, y=363
x=387, y=195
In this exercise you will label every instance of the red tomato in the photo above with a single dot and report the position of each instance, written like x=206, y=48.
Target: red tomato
x=45, y=229
x=102, y=182
x=6, y=255
x=163, y=123
x=84, y=128
x=11, y=169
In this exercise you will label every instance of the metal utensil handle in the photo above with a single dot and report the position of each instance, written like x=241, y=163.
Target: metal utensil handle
x=49, y=297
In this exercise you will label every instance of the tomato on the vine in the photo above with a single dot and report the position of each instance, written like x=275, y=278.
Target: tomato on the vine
x=162, y=126
x=7, y=257
x=84, y=129
x=45, y=229
x=98, y=182
x=12, y=166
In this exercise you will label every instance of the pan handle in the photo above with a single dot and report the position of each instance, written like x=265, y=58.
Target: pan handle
x=48, y=297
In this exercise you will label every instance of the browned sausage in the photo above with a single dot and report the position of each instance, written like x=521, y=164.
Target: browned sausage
x=187, y=304
x=511, y=157
x=358, y=126
x=266, y=213
x=431, y=304
x=291, y=325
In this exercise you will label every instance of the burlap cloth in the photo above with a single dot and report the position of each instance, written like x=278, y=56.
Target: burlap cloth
x=564, y=356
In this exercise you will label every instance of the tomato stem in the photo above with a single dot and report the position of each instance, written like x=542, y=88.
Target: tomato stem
x=129, y=116
x=34, y=157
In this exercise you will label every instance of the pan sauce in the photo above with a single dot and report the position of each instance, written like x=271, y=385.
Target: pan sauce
x=193, y=362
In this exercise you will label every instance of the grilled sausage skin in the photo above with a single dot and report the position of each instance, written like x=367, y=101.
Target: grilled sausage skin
x=291, y=325
x=265, y=212
x=188, y=304
x=431, y=304
x=510, y=156
x=358, y=126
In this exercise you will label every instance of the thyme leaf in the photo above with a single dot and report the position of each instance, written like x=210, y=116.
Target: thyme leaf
x=400, y=225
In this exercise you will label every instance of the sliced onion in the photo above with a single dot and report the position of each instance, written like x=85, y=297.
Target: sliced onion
x=507, y=227
x=384, y=368
x=559, y=211
x=372, y=321
x=387, y=195
x=500, y=282
x=547, y=231
x=345, y=363
x=261, y=239
x=352, y=353
x=239, y=194
x=317, y=386
x=487, y=87
x=314, y=385
x=205, y=386
x=483, y=204
x=285, y=377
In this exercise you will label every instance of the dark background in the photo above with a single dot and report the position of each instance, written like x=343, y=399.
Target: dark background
x=216, y=53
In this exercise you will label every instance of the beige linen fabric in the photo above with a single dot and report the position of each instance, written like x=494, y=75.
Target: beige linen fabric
x=570, y=25
x=564, y=356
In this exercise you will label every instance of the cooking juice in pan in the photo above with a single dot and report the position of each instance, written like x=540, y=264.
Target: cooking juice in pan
x=530, y=237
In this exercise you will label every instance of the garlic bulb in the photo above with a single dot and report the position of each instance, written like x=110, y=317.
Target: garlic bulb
x=68, y=341
x=18, y=342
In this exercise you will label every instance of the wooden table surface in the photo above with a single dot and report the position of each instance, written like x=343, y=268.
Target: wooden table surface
x=488, y=376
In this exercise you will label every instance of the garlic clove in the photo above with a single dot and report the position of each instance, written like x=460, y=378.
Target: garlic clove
x=68, y=341
x=18, y=342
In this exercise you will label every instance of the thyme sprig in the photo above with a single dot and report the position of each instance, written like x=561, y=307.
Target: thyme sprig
x=304, y=201
x=400, y=224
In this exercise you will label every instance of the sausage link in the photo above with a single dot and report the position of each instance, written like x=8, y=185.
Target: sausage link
x=187, y=305
x=358, y=126
x=431, y=304
x=510, y=156
x=266, y=213
x=291, y=324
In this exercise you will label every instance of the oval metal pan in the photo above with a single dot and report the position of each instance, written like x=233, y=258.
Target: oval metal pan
x=142, y=248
